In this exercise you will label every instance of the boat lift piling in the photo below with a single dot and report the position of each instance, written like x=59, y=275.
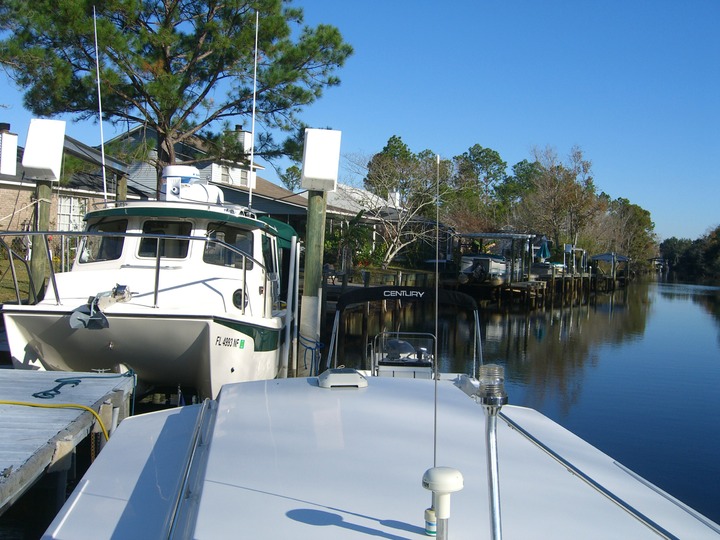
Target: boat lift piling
x=321, y=161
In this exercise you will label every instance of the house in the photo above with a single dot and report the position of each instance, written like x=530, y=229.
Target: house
x=238, y=186
x=79, y=191
x=72, y=196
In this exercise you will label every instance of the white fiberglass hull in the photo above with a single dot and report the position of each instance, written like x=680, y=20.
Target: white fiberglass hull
x=184, y=291
x=291, y=459
x=483, y=268
x=200, y=352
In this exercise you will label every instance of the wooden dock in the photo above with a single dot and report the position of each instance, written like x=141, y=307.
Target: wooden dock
x=529, y=294
x=40, y=436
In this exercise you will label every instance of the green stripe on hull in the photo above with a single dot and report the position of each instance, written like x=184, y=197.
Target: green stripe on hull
x=266, y=339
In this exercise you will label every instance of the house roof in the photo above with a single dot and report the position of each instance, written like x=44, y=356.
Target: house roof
x=93, y=155
x=275, y=199
x=351, y=200
x=86, y=181
x=267, y=197
x=190, y=150
x=94, y=182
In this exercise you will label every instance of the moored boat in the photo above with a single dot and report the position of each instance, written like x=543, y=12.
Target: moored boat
x=482, y=268
x=185, y=291
x=379, y=453
x=405, y=352
x=343, y=455
x=546, y=269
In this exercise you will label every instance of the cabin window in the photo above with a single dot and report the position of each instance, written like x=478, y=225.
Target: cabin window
x=227, y=245
x=268, y=255
x=170, y=248
x=103, y=248
x=270, y=258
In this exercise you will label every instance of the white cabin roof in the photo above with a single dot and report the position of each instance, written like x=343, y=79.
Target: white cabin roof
x=289, y=459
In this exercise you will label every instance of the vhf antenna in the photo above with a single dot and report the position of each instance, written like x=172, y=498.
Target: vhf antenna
x=252, y=129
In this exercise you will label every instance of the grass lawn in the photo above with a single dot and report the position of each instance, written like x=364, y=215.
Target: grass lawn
x=7, y=288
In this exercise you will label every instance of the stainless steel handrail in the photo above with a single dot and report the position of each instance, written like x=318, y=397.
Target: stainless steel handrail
x=198, y=443
x=246, y=258
x=12, y=257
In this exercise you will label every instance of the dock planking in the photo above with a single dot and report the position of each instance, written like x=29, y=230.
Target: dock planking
x=38, y=440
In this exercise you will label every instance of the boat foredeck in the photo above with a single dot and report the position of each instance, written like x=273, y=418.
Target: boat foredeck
x=287, y=458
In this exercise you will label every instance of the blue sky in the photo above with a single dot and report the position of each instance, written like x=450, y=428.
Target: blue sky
x=634, y=83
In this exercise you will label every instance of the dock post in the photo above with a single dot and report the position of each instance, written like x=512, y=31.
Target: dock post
x=321, y=159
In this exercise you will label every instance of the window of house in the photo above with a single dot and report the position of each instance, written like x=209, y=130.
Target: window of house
x=71, y=211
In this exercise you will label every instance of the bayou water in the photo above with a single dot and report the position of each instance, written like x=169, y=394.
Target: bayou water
x=636, y=373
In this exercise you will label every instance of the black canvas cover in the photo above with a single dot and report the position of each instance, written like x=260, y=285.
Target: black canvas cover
x=412, y=294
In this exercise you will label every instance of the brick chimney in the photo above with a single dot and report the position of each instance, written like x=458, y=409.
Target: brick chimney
x=8, y=150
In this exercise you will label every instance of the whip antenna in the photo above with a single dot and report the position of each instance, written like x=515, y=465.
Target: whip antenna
x=252, y=130
x=102, y=137
x=436, y=375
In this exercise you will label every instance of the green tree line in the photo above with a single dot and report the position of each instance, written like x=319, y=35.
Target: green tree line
x=544, y=195
x=693, y=259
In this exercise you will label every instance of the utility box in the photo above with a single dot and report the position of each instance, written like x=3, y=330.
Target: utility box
x=321, y=159
x=43, y=154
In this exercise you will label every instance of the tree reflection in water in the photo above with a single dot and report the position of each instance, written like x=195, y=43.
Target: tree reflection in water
x=634, y=373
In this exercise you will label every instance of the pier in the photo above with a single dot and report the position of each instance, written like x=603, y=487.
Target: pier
x=555, y=290
x=44, y=415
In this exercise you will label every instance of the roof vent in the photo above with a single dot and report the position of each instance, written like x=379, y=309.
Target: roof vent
x=342, y=378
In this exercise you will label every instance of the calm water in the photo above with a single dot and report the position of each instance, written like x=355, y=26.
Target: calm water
x=636, y=374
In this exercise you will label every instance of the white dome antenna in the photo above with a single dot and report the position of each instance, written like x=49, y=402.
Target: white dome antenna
x=442, y=481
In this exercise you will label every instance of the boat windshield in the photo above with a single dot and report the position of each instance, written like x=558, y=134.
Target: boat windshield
x=170, y=248
x=216, y=253
x=103, y=248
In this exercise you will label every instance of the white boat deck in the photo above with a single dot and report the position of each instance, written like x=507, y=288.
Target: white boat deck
x=36, y=440
x=289, y=459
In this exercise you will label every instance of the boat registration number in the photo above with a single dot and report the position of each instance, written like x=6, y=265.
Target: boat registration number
x=229, y=342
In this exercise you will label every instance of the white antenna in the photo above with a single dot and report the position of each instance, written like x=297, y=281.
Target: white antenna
x=437, y=299
x=252, y=130
x=102, y=137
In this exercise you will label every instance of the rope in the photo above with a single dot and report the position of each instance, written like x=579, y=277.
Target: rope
x=313, y=347
x=24, y=207
x=60, y=406
x=50, y=394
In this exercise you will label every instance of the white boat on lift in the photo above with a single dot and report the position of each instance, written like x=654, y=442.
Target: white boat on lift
x=350, y=454
x=482, y=268
x=186, y=291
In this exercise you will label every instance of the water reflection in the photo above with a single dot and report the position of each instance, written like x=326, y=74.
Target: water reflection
x=547, y=353
x=635, y=373
x=707, y=297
